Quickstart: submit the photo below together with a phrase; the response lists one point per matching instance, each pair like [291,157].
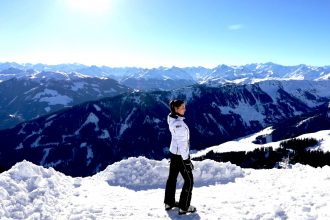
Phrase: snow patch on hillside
[91,119]
[126,124]
[246,143]
[52,97]
[248,112]
[105,134]
[77,86]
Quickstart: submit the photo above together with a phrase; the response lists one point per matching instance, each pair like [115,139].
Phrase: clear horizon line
[161,66]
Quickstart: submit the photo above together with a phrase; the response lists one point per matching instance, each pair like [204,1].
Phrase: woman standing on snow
[179,160]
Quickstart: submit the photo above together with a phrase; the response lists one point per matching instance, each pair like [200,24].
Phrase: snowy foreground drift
[134,189]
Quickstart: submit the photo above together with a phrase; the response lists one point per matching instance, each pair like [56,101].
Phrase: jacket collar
[176,116]
[181,117]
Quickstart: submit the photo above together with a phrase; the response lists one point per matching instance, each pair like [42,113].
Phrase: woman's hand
[188,164]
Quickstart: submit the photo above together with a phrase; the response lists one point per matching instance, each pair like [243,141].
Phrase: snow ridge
[222,191]
[141,173]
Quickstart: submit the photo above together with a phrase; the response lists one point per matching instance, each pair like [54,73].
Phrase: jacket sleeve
[180,135]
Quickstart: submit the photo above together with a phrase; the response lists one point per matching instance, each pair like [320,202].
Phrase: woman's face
[181,110]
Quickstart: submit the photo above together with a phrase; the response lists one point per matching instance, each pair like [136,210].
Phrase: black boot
[191,209]
[170,206]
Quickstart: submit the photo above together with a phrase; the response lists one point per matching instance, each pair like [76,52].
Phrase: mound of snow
[141,173]
[27,190]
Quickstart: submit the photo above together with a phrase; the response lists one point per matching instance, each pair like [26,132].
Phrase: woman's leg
[171,181]
[186,192]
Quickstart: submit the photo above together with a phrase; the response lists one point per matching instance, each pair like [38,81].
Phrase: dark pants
[176,166]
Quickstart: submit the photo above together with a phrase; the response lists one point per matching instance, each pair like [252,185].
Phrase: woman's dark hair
[175,104]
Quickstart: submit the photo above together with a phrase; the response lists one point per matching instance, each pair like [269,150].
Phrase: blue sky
[152,33]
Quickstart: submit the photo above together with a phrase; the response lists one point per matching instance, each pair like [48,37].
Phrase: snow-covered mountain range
[86,138]
[267,71]
[158,79]
[32,94]
[133,76]
[85,118]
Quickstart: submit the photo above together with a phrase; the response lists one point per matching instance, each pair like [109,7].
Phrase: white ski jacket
[180,136]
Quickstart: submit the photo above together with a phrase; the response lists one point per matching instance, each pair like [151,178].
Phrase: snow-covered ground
[134,189]
[246,143]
